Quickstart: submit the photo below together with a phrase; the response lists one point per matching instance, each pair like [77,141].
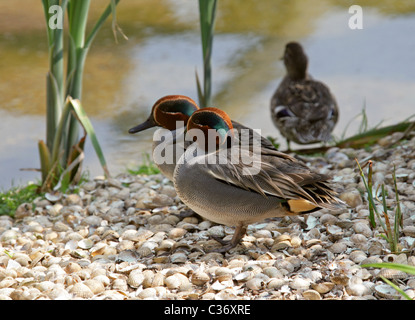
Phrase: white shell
[200,278]
[177,281]
[135,278]
[81,290]
[386,291]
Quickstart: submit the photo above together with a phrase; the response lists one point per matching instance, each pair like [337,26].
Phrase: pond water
[372,67]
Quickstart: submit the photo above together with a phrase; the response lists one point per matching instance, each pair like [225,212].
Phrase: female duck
[302,109]
[226,193]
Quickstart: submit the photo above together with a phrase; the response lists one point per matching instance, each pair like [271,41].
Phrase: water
[372,67]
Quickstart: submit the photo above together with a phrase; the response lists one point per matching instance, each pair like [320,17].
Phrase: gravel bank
[130,237]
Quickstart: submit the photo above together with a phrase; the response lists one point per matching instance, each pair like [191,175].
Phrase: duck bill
[149,123]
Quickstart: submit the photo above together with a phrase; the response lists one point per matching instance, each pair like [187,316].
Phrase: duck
[171,112]
[303,109]
[230,193]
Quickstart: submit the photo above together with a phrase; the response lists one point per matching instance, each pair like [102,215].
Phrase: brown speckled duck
[303,109]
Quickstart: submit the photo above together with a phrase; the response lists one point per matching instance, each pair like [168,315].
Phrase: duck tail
[320,196]
[302,206]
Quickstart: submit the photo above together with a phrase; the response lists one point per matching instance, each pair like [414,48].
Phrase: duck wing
[308,99]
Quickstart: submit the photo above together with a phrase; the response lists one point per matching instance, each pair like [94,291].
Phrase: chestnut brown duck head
[303,109]
[168,112]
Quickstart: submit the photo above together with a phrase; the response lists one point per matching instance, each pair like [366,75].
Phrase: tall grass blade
[398,213]
[199,89]
[53,107]
[87,125]
[370,186]
[397,266]
[45,159]
[370,197]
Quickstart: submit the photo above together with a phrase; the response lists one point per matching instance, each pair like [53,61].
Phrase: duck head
[167,111]
[207,119]
[295,60]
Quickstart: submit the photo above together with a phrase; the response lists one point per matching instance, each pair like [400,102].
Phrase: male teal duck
[226,193]
[303,109]
[168,112]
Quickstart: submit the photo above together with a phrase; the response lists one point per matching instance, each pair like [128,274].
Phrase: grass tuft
[146,168]
[391,233]
[11,199]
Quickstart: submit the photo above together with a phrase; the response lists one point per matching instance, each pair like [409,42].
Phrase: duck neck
[297,73]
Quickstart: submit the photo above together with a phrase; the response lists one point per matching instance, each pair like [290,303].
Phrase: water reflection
[373,66]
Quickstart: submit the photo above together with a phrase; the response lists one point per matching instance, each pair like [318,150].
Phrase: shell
[357,256]
[392,274]
[95,285]
[386,291]
[135,278]
[85,244]
[299,283]
[73,267]
[199,278]
[120,284]
[216,231]
[362,228]
[281,245]
[53,197]
[409,231]
[255,284]
[176,233]
[338,247]
[356,287]
[244,276]
[275,284]
[81,290]
[103,279]
[178,257]
[166,245]
[311,295]
[323,287]
[8,282]
[177,281]
[226,294]
[223,274]
[148,293]
[218,286]
[158,279]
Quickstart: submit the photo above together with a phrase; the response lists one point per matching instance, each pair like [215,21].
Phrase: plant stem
[207,10]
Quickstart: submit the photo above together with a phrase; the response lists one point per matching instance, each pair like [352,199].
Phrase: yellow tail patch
[301,205]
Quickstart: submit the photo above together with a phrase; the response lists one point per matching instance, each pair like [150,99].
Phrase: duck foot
[227,245]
